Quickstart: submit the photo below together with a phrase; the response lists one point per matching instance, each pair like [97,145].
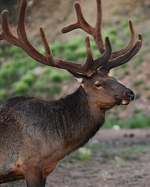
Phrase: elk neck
[82,119]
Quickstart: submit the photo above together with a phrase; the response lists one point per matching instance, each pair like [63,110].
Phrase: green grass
[137,95]
[148,97]
[124,23]
[127,73]
[135,149]
[139,121]
[29,78]
[3,94]
[136,21]
[1,53]
[20,88]
[120,44]
[115,11]
[84,154]
[112,31]
[138,82]
[105,152]
[112,39]
[146,87]
[80,52]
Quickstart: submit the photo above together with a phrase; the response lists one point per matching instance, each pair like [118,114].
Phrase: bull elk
[34,133]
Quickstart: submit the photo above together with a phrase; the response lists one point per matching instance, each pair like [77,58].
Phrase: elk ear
[77,76]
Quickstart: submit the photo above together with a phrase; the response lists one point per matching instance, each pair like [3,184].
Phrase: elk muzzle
[129,97]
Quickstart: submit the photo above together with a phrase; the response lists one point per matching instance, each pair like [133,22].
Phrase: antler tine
[47,48]
[82,23]
[24,42]
[5,33]
[98,34]
[89,58]
[105,57]
[115,54]
[125,57]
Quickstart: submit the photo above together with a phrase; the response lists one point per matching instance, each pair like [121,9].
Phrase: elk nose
[130,95]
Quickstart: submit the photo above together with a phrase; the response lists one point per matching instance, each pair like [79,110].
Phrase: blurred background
[125,137]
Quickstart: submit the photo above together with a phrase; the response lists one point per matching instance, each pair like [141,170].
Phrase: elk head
[104,91]
[93,75]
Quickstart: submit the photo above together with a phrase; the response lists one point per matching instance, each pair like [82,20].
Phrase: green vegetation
[139,121]
[112,31]
[107,175]
[20,88]
[138,82]
[84,154]
[106,152]
[138,95]
[3,94]
[148,97]
[17,76]
[135,20]
[115,11]
[120,162]
[146,87]
[126,72]
[119,44]
[124,23]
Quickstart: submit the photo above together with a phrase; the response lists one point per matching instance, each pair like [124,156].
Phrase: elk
[34,133]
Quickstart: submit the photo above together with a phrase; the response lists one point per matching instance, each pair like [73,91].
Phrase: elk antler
[118,57]
[124,58]
[88,68]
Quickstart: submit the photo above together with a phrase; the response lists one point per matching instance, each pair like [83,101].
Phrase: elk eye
[98,85]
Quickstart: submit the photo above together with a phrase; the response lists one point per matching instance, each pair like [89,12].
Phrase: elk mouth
[125,102]
[122,101]
[117,103]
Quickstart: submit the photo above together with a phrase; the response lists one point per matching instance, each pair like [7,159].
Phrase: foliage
[3,94]
[112,31]
[120,161]
[138,95]
[20,88]
[124,23]
[107,175]
[139,121]
[138,82]
[85,154]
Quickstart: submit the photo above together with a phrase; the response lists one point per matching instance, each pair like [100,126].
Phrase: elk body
[34,133]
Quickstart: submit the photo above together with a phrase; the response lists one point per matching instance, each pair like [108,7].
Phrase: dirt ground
[103,169]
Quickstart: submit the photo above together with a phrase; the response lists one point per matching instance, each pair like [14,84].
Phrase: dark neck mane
[82,119]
